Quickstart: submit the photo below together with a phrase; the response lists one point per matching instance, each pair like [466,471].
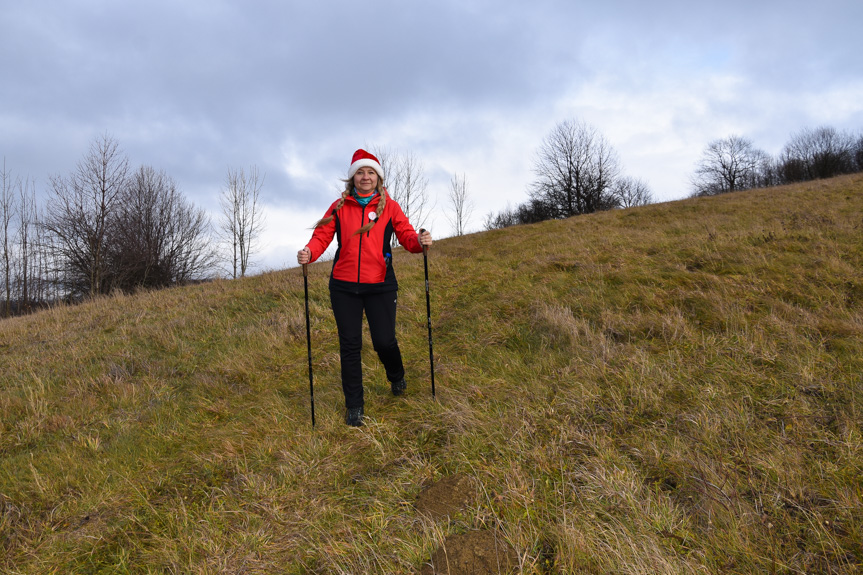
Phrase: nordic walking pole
[428,310]
[309,341]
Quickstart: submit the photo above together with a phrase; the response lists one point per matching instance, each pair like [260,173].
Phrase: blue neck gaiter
[364,200]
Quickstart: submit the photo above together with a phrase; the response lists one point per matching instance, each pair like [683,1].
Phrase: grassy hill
[675,388]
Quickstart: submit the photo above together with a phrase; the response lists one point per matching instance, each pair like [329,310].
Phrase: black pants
[380,311]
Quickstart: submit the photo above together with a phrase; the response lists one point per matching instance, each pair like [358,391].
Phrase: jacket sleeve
[322,236]
[405,232]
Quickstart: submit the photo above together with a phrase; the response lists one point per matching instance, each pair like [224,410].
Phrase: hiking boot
[354,416]
[398,387]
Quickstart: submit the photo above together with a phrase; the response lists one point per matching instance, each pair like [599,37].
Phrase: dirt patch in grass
[445,497]
[472,553]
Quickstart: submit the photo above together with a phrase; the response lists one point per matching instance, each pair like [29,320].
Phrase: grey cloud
[195,87]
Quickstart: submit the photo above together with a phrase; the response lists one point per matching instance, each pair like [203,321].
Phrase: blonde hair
[349,188]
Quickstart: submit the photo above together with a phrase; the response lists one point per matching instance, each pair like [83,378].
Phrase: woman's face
[365,180]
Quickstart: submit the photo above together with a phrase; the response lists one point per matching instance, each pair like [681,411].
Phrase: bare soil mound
[472,553]
[445,497]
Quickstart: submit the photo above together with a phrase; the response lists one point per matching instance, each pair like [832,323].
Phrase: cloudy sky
[468,86]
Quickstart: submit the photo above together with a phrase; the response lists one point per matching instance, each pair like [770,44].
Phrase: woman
[363,221]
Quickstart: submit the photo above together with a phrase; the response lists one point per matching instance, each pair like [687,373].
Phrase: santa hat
[363,159]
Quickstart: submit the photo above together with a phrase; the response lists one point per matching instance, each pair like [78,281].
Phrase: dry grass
[669,389]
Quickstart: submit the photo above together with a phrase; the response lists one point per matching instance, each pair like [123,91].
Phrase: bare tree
[78,215]
[157,239]
[28,246]
[858,153]
[530,212]
[575,168]
[406,182]
[242,220]
[503,219]
[40,268]
[769,172]
[630,192]
[7,215]
[606,164]
[727,165]
[462,206]
[819,153]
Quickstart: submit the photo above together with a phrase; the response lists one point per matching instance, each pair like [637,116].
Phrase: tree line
[734,163]
[577,172]
[108,227]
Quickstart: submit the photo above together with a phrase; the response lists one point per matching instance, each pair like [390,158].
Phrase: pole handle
[425,248]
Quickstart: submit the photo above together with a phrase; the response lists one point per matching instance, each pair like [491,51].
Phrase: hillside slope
[668,389]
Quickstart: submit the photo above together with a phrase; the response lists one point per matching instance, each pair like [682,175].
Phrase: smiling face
[365,180]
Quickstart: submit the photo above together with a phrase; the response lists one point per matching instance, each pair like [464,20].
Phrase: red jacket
[364,262]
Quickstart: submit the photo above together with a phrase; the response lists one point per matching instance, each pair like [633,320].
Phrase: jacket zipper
[360,254]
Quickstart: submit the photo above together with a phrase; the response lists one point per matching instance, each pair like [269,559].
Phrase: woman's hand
[304,256]
[425,238]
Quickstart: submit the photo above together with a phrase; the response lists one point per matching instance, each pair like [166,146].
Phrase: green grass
[675,388]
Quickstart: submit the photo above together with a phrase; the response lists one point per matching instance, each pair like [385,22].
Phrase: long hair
[349,188]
